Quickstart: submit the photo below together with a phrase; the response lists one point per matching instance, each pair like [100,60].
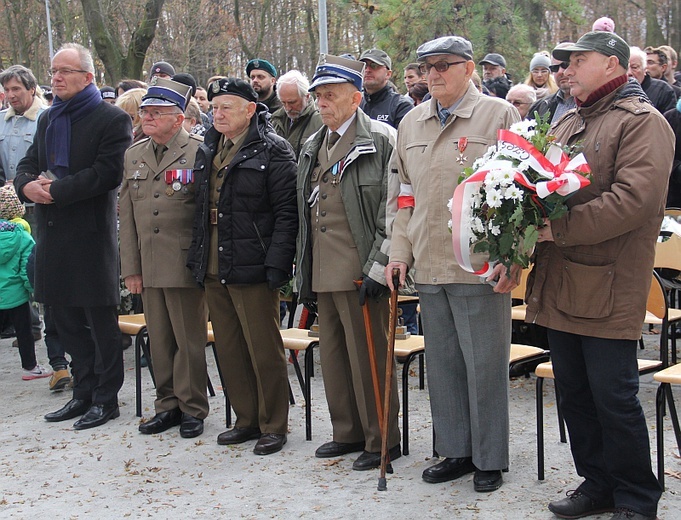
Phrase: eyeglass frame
[65,72]
[425,67]
[155,114]
[556,67]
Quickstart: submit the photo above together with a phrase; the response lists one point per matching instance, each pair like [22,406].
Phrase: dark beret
[233,87]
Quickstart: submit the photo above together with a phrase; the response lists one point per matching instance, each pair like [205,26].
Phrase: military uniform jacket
[157,206]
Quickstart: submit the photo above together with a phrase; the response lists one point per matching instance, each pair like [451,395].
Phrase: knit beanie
[540,60]
[604,24]
[10,205]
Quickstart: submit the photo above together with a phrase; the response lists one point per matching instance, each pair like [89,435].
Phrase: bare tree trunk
[118,61]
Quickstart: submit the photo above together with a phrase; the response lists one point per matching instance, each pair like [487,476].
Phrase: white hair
[297,78]
[528,93]
[86,62]
[637,51]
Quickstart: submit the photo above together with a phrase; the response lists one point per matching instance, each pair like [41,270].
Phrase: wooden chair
[296,340]
[667,377]
[668,257]
[656,308]
[406,350]
[135,325]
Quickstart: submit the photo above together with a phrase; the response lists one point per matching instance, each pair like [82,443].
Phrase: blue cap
[334,70]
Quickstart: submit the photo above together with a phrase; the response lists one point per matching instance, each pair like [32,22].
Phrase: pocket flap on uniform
[586,290]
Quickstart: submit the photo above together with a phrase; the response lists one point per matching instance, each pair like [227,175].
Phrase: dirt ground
[51,471]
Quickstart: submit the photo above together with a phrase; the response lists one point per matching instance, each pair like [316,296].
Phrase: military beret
[232,87]
[261,65]
[446,45]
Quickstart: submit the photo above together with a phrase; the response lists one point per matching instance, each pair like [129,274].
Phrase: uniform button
[155,230]
[156,195]
[50,223]
[220,215]
[322,229]
[434,279]
[156,179]
[223,281]
[325,178]
[323,213]
[220,248]
[219,175]
[155,212]
[324,196]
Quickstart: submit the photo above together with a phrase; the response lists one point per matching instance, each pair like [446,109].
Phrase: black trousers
[20,317]
[92,338]
[597,383]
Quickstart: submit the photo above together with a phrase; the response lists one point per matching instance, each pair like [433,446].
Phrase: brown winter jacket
[594,279]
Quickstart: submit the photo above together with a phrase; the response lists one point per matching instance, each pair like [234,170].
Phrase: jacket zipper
[262,242]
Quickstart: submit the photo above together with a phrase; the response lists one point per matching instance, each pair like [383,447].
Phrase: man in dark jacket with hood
[242,252]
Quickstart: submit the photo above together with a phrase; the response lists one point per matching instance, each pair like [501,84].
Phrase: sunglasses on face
[555,68]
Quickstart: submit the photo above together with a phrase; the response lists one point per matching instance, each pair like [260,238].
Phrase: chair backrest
[519,292]
[657,300]
[668,253]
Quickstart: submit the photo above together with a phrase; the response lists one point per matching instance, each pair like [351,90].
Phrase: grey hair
[86,62]
[528,93]
[297,78]
[21,74]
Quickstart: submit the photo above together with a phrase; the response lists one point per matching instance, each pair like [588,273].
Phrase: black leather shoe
[485,481]
[161,422]
[448,469]
[623,513]
[269,443]
[74,408]
[191,426]
[370,460]
[577,505]
[336,449]
[238,435]
[97,415]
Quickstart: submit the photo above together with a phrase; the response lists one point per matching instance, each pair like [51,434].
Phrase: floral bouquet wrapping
[505,197]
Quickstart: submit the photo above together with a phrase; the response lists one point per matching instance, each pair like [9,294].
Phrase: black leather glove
[276,278]
[311,306]
[371,289]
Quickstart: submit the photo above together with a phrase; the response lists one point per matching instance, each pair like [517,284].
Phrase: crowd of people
[210,195]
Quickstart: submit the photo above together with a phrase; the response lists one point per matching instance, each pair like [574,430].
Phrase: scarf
[58,135]
[603,91]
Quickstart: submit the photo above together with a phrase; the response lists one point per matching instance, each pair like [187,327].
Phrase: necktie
[333,139]
[225,149]
[443,114]
[160,150]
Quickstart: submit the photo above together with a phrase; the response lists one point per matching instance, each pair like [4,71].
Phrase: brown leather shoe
[337,449]
[238,435]
[269,443]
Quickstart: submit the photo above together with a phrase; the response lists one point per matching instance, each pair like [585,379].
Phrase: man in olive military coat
[156,214]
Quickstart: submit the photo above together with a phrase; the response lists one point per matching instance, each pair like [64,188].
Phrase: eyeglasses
[373,65]
[652,62]
[440,66]
[154,114]
[555,68]
[64,72]
[519,103]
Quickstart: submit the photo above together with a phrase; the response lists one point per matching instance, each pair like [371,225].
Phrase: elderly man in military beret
[466,321]
[242,253]
[344,220]
[263,76]
[156,216]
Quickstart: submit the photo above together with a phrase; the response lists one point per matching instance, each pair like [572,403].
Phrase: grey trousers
[467,332]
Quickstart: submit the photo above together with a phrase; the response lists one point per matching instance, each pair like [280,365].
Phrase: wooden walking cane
[372,358]
[389,362]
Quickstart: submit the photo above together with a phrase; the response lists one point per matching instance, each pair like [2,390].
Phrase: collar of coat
[464,109]
[363,143]
[32,113]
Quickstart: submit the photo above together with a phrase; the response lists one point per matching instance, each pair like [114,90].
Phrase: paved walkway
[113,472]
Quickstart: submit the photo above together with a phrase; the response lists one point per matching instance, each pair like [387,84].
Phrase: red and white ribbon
[564,176]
